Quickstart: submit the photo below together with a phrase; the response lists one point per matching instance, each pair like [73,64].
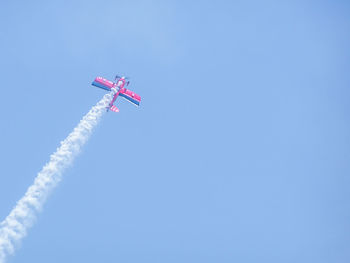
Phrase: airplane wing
[103,83]
[131,97]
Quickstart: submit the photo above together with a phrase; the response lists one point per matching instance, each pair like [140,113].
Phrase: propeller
[117,77]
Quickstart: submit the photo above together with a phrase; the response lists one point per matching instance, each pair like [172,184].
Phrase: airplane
[119,86]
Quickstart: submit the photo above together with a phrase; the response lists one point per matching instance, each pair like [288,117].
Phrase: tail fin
[114,108]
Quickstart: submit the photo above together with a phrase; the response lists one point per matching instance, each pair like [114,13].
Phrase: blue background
[239,151]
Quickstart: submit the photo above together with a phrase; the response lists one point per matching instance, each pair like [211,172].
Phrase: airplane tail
[114,108]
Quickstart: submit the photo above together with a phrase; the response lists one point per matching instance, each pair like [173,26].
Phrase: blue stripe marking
[130,99]
[99,85]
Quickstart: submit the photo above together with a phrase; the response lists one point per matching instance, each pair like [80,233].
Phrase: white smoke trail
[16,224]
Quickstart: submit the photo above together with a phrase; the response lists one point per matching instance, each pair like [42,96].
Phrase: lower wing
[103,83]
[131,97]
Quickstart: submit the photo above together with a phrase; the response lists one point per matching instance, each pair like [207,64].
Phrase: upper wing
[131,96]
[103,83]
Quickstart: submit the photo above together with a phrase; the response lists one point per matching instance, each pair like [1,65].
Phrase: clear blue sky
[238,153]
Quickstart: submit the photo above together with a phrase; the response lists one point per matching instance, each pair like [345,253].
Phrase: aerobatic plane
[119,85]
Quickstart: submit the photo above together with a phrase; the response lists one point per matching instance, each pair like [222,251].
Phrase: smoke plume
[22,216]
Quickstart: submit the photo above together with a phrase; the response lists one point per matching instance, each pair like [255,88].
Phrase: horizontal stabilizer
[114,108]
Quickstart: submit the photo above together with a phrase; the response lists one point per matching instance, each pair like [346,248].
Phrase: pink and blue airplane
[119,85]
